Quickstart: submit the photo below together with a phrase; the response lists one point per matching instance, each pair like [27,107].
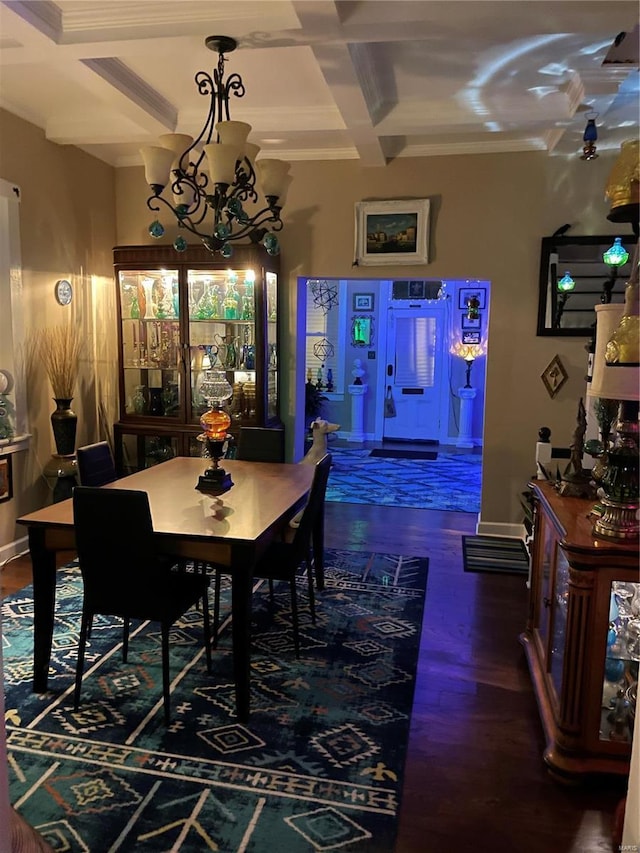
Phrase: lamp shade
[157,164]
[272,174]
[222,159]
[623,185]
[176,142]
[611,383]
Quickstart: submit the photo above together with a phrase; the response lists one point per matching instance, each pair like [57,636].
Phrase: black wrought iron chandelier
[212,177]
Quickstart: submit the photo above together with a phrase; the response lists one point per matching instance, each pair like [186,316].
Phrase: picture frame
[6,481]
[361,331]
[363,301]
[392,232]
[471,337]
[554,376]
[466,293]
[470,323]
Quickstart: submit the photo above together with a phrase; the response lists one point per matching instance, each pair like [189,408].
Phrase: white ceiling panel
[367,80]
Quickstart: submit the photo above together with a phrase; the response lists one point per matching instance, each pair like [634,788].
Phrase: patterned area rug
[317,768]
[450,482]
[495,554]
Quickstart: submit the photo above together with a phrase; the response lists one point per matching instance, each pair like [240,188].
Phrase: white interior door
[414,372]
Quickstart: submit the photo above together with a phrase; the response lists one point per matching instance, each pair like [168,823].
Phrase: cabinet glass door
[222,336]
[143,451]
[272,345]
[620,683]
[150,334]
[546,555]
[559,628]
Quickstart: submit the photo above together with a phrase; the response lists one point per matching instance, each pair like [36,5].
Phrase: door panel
[413,371]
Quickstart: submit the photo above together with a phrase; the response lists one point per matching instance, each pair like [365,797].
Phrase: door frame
[431,307]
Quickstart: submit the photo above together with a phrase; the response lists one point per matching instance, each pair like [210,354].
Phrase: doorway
[414,372]
[410,349]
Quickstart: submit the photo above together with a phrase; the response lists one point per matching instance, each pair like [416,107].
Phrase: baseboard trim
[494,528]
[13,549]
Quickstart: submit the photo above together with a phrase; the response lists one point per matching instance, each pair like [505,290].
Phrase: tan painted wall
[67,218]
[489,213]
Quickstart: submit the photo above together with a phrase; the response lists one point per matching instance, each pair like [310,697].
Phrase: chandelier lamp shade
[213,185]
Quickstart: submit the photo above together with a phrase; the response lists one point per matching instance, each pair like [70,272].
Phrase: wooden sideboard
[579,638]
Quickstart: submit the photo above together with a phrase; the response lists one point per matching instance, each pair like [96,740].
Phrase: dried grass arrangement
[58,350]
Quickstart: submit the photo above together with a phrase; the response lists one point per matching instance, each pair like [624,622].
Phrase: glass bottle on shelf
[230,303]
[147,285]
[134,311]
[138,400]
[208,306]
[247,300]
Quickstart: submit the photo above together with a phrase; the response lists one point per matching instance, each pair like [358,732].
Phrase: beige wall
[67,223]
[489,213]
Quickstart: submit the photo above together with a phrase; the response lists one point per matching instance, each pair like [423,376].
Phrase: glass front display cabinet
[582,638]
[183,317]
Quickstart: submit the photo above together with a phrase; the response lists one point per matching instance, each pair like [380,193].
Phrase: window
[11,320]
[326,334]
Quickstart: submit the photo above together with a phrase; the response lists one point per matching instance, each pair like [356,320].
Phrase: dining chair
[95,464]
[283,558]
[124,576]
[260,444]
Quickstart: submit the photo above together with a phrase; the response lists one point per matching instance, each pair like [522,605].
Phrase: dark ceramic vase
[64,423]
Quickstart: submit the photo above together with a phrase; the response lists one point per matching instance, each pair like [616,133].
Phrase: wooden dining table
[232,530]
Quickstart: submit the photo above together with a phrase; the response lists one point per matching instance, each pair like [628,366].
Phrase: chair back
[260,444]
[116,550]
[315,502]
[95,464]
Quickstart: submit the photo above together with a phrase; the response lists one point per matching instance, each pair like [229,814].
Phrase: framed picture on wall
[471,337]
[392,232]
[363,301]
[470,323]
[361,331]
[466,293]
[6,485]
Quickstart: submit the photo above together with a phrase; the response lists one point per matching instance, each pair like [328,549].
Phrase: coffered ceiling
[368,80]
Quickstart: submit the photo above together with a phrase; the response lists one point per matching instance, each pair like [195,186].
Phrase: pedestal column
[467,396]
[357,412]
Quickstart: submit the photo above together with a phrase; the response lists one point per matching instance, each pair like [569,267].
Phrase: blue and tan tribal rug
[450,482]
[318,767]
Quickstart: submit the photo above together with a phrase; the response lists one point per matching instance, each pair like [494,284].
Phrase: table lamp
[616,376]
[215,422]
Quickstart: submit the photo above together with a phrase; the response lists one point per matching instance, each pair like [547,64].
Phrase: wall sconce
[589,138]
[615,256]
[564,287]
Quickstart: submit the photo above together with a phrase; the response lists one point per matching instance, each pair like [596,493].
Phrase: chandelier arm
[261,218]
[184,220]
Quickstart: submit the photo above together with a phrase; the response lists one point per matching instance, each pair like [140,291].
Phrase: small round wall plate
[64,291]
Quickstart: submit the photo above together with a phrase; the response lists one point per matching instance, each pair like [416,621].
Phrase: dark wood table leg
[241,590]
[44,599]
[318,549]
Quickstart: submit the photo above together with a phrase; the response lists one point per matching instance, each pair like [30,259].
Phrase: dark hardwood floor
[475,780]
